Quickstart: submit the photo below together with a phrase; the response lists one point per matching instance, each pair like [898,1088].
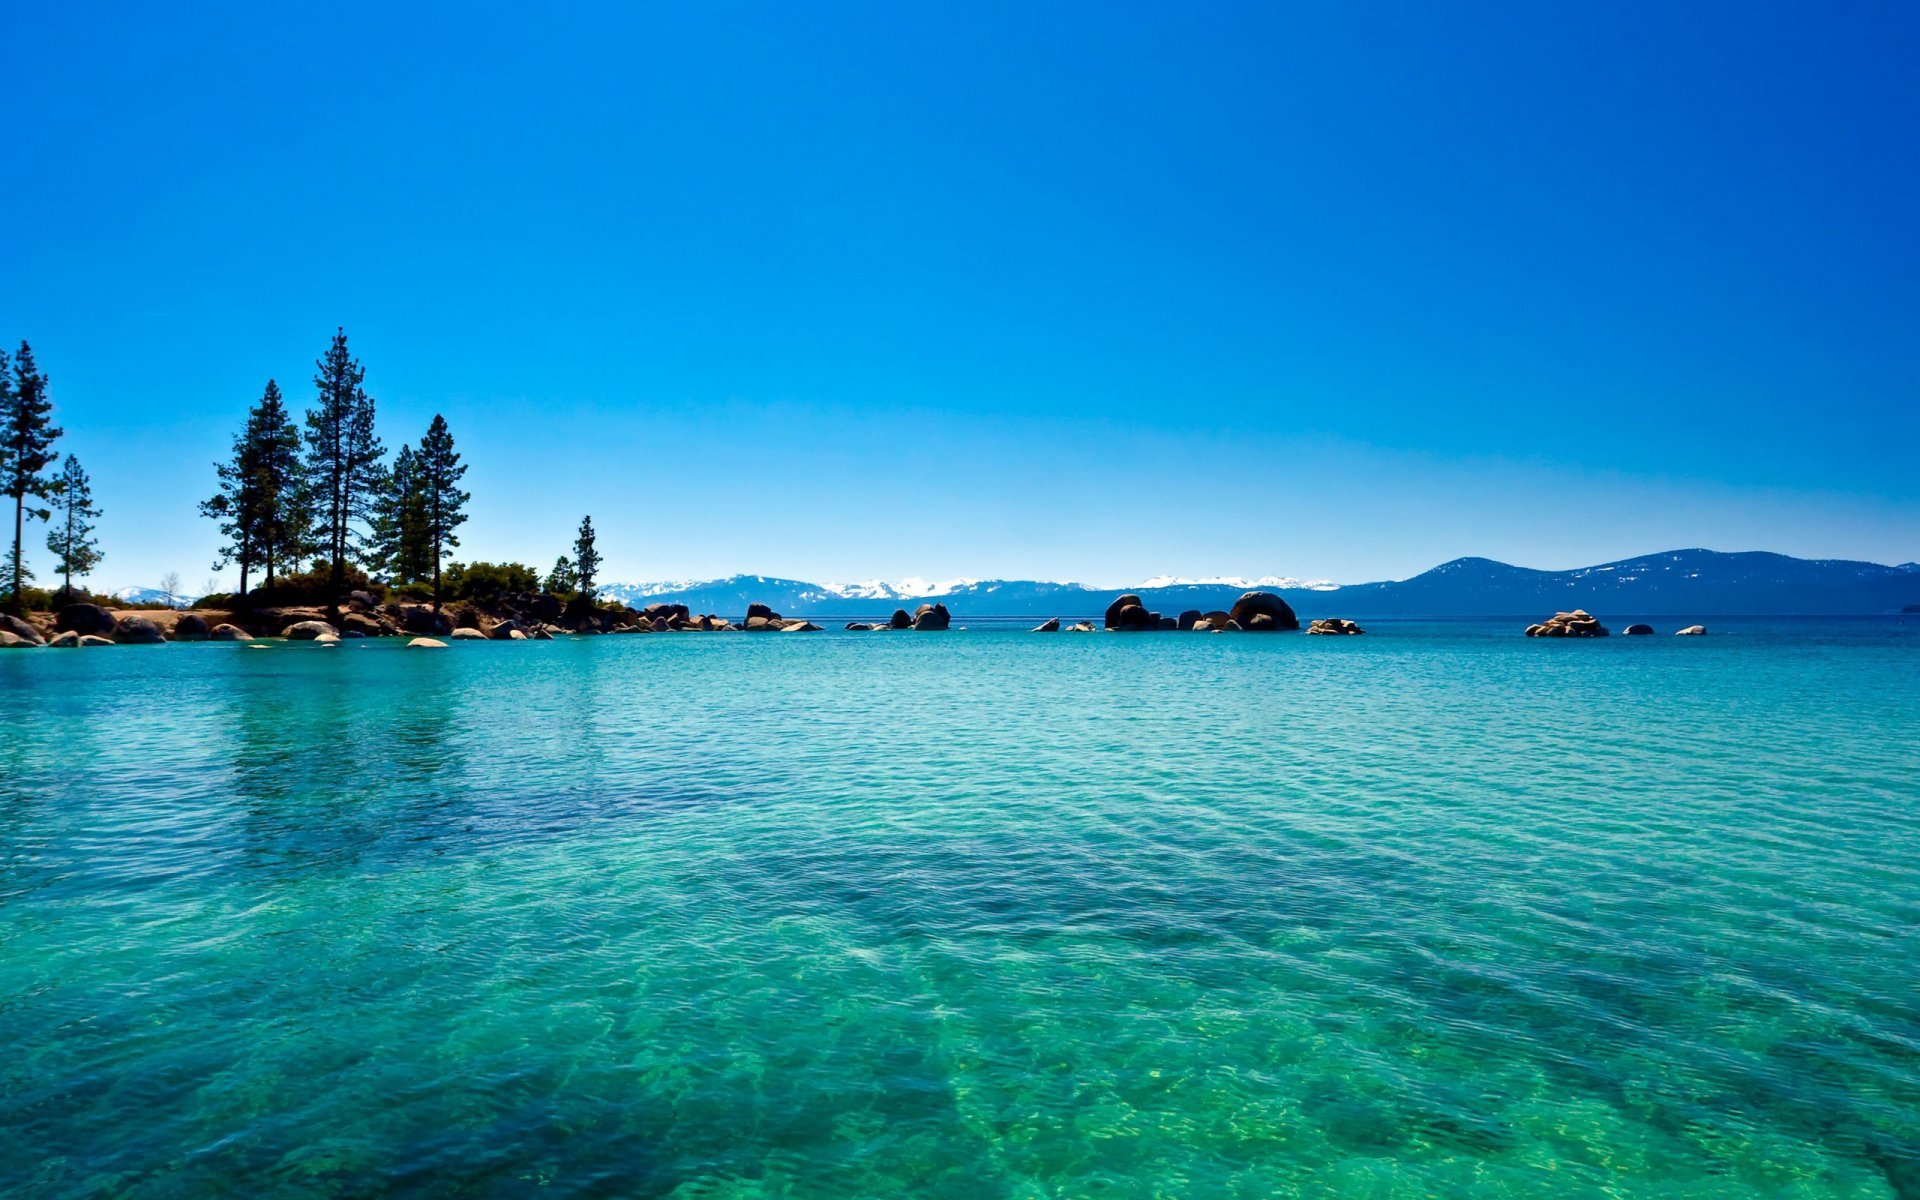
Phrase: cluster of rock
[1254,612]
[928,617]
[1334,626]
[1578,623]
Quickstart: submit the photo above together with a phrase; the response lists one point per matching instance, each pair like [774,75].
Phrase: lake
[1439,911]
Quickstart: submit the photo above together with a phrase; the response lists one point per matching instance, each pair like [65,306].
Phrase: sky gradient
[1090,292]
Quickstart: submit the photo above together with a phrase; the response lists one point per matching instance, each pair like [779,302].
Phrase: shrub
[488,581]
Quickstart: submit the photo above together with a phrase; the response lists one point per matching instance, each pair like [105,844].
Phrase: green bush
[488,581]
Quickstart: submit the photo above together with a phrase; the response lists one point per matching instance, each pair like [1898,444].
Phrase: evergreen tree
[561,579]
[285,527]
[343,457]
[399,543]
[27,434]
[446,504]
[262,503]
[71,538]
[586,561]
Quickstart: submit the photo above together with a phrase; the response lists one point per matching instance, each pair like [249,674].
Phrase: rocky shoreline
[541,616]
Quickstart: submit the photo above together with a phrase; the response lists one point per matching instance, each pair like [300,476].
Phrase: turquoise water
[1439,911]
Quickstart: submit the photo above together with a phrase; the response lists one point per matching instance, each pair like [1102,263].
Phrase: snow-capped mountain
[153,597]
[1268,582]
[1678,582]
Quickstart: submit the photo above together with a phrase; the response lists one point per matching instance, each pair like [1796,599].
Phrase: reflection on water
[1438,911]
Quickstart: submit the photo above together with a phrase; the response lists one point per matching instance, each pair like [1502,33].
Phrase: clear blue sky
[1070,291]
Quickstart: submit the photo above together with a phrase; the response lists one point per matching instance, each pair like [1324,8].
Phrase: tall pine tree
[446,504]
[399,545]
[343,458]
[27,434]
[284,529]
[586,562]
[262,504]
[71,538]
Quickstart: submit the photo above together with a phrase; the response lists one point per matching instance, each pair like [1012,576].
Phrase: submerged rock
[426,643]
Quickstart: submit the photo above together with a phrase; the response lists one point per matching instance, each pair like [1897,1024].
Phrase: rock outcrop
[191,628]
[24,630]
[418,618]
[1129,614]
[9,640]
[1263,612]
[64,641]
[84,619]
[1691,631]
[1334,626]
[1578,623]
[1188,619]
[900,620]
[933,617]
[138,631]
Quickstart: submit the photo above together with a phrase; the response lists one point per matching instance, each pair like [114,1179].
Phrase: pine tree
[27,434]
[399,544]
[586,562]
[285,527]
[446,504]
[262,504]
[71,538]
[343,457]
[561,580]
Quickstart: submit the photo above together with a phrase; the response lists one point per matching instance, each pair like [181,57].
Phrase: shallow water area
[1439,910]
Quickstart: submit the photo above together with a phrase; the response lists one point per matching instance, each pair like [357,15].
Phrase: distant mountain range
[1676,583]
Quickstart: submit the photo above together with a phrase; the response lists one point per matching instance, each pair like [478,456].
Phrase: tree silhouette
[71,538]
[343,457]
[27,434]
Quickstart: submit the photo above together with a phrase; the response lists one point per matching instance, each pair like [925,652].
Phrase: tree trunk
[19,518]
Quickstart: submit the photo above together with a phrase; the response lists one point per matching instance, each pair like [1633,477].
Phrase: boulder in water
[1263,612]
[1578,623]
[933,617]
[21,629]
[1691,631]
[1050,625]
[307,631]
[1640,630]
[426,643]
[1334,626]
[229,633]
[9,640]
[190,628]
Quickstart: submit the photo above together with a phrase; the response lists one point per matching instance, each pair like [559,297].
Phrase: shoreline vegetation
[334,539]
